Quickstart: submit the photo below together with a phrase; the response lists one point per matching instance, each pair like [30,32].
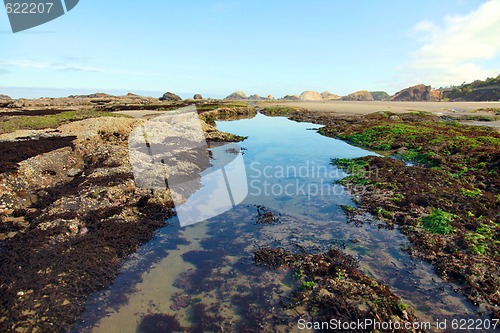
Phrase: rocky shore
[437,181]
[70,211]
[69,207]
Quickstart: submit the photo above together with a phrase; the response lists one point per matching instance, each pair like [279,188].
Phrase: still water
[204,274]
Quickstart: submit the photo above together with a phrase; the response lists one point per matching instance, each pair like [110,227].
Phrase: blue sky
[264,47]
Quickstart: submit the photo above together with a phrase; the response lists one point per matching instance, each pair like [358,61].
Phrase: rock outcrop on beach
[418,93]
[328,96]
[5,101]
[380,96]
[291,98]
[362,95]
[310,96]
[237,95]
[197,97]
[85,215]
[255,97]
[171,97]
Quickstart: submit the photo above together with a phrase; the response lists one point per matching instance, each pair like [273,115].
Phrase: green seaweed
[438,222]
[307,285]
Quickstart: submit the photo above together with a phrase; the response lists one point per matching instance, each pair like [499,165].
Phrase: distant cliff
[487,90]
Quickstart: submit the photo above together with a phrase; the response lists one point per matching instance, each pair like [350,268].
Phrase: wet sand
[349,107]
[452,109]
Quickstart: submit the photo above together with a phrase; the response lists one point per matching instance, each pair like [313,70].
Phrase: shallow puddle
[204,274]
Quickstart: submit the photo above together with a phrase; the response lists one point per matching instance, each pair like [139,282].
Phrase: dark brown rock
[418,93]
[168,96]
[197,97]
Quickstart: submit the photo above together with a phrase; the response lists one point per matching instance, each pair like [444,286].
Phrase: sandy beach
[350,107]
[452,109]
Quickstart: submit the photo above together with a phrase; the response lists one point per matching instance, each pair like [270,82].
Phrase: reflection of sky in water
[286,163]
[210,200]
[283,141]
[222,187]
[286,166]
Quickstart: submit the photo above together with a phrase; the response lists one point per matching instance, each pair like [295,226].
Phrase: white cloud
[456,51]
[424,26]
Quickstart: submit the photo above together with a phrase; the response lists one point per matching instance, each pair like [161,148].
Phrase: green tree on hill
[479,90]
